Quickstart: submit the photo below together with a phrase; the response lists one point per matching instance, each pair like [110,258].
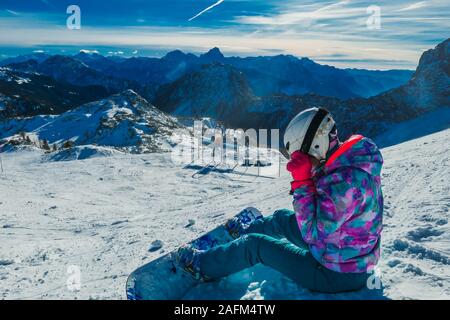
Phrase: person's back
[340,215]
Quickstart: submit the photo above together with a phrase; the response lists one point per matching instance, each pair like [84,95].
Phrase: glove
[300,168]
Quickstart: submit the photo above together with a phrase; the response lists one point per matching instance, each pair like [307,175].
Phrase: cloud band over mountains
[317,29]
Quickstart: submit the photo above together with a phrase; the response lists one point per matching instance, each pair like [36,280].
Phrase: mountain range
[69,70]
[223,92]
[133,104]
[266,75]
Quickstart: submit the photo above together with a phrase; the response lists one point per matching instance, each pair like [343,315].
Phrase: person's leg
[294,262]
[281,255]
[281,224]
[335,282]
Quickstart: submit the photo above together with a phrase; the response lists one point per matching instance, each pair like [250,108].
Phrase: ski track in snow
[102,214]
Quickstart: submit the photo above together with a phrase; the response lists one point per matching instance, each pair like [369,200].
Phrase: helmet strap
[312,130]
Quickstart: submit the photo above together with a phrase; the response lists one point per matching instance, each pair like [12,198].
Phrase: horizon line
[121,54]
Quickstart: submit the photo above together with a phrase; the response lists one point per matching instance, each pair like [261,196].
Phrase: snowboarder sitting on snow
[332,240]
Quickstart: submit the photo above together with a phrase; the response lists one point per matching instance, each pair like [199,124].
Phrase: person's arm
[303,189]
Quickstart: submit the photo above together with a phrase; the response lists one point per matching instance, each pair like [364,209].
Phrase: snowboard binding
[238,225]
[188,259]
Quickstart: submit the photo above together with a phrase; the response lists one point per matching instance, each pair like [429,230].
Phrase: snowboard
[163,279]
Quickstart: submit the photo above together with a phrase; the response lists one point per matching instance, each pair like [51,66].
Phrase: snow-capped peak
[125,121]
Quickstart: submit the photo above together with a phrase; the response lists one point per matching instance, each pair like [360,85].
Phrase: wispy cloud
[116,53]
[48,4]
[15,13]
[296,15]
[88,51]
[415,6]
[206,10]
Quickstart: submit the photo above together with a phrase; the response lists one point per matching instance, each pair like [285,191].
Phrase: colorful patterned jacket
[340,215]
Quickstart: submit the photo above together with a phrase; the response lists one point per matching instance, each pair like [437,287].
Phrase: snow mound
[80,153]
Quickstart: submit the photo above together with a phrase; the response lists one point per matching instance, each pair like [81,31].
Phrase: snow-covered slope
[96,219]
[424,125]
[416,251]
[123,121]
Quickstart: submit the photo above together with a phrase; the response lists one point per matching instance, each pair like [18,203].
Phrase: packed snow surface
[98,219]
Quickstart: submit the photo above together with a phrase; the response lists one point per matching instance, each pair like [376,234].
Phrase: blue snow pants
[276,242]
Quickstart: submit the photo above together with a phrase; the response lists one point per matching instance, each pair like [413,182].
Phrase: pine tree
[45,145]
[68,144]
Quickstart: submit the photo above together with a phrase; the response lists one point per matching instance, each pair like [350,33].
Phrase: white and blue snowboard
[163,279]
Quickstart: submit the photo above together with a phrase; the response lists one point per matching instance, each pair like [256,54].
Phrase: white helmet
[309,132]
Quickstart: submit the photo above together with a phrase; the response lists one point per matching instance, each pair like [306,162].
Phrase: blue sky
[331,32]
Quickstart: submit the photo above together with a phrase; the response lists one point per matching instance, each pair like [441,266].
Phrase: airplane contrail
[207,9]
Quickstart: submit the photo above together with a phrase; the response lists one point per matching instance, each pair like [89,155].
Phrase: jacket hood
[357,152]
